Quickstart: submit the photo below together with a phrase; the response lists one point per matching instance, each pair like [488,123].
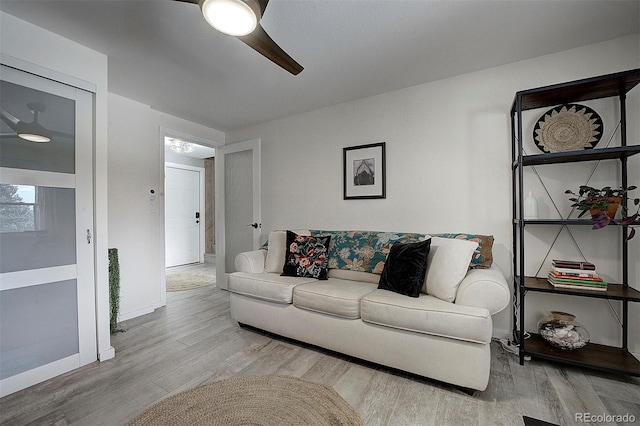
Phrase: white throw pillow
[447,265]
[277,250]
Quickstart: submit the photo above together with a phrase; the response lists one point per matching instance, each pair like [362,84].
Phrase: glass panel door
[238,210]
[47,296]
[238,198]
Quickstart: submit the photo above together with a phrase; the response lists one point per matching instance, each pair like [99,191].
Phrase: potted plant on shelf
[603,204]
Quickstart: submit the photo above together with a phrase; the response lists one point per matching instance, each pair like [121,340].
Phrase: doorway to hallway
[189,202]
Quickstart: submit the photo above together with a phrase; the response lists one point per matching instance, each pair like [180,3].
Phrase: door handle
[88,236]
[255,225]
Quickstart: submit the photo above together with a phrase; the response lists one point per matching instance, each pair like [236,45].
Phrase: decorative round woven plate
[569,127]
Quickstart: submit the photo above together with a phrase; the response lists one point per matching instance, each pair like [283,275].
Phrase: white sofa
[427,336]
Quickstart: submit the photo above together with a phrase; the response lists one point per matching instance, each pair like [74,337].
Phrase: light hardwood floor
[194,340]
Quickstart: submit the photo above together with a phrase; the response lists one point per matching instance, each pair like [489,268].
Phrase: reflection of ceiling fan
[33,131]
[240,18]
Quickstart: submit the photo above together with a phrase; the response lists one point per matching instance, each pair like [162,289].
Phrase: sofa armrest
[484,288]
[251,261]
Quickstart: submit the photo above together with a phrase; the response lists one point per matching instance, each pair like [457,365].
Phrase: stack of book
[575,274]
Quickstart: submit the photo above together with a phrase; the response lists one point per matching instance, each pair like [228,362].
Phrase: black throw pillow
[405,268]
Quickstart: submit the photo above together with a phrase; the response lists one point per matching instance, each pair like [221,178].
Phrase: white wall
[451,134]
[448,163]
[136,224]
[29,43]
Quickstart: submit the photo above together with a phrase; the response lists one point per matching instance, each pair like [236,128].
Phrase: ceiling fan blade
[260,41]
[263,6]
[262,3]
[12,122]
[9,119]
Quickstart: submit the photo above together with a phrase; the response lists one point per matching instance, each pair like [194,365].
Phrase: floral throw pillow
[307,256]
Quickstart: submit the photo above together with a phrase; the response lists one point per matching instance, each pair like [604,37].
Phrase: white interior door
[183,214]
[238,214]
[47,294]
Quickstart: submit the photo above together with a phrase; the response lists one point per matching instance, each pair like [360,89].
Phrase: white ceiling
[164,54]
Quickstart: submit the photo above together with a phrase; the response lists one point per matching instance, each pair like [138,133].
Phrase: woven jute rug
[189,280]
[253,400]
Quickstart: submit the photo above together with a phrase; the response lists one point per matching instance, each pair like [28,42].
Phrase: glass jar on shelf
[562,331]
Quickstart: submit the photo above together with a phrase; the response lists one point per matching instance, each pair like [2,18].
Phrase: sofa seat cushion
[266,285]
[334,297]
[427,314]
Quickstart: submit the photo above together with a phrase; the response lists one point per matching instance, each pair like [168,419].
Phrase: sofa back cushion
[344,274]
[277,250]
[447,265]
[364,251]
[483,256]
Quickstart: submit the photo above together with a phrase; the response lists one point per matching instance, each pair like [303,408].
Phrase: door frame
[250,145]
[201,205]
[171,133]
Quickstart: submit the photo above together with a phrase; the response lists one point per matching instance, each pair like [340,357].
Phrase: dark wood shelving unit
[614,291]
[578,222]
[574,157]
[604,86]
[601,357]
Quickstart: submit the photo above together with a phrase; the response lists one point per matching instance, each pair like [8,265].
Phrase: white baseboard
[134,314]
[139,312]
[108,354]
[159,304]
[501,334]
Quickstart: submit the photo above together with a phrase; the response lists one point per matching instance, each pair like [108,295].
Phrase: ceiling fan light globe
[34,138]
[232,17]
[32,132]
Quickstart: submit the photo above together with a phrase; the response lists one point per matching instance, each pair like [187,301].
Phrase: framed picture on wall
[364,171]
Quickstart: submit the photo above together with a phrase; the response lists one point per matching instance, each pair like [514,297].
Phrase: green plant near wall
[114,289]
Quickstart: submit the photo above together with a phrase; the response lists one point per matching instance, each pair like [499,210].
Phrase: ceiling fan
[33,131]
[241,19]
